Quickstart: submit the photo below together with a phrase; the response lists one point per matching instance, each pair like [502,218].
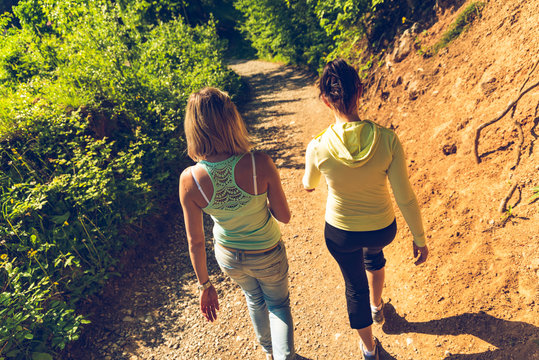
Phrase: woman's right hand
[209,303]
[192,215]
[423,253]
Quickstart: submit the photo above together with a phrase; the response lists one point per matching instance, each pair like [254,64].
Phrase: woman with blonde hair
[357,157]
[242,192]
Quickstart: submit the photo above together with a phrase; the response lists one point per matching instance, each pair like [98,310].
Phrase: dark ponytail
[340,85]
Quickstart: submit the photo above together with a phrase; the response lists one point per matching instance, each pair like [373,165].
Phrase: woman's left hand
[209,303]
[423,253]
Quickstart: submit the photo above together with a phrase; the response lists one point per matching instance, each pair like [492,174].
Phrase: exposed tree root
[499,117]
[528,76]
[511,107]
[508,213]
[520,144]
[533,131]
[378,85]
[503,204]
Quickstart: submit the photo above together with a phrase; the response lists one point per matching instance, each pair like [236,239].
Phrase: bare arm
[407,201]
[312,174]
[192,214]
[277,199]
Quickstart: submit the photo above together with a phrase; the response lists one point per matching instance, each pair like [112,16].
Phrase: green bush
[312,32]
[284,30]
[63,205]
[91,144]
[461,23]
[23,57]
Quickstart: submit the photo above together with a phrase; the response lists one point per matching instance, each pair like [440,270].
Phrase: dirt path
[444,309]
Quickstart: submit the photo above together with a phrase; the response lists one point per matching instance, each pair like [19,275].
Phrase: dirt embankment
[477,296]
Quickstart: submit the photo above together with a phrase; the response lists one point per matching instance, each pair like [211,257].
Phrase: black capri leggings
[356,251]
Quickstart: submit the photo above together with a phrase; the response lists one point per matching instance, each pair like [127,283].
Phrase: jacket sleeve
[404,194]
[312,173]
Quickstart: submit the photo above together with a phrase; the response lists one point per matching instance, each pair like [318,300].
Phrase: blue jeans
[264,281]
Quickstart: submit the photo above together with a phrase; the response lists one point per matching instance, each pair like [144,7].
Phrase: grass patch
[461,24]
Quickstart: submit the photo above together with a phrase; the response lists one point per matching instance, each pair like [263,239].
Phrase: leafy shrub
[312,32]
[461,23]
[62,208]
[91,145]
[21,59]
[284,30]
[51,16]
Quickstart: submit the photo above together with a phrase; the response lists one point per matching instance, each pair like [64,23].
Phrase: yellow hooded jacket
[356,158]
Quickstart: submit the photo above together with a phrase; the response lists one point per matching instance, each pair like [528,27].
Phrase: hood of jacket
[352,143]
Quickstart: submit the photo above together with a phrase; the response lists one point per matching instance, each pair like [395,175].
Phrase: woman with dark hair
[357,157]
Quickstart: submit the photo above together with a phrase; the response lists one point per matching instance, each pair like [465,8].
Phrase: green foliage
[359,27]
[312,32]
[461,23]
[507,213]
[91,110]
[194,12]
[535,195]
[343,21]
[175,49]
[338,16]
[285,30]
[20,60]
[50,16]
[31,14]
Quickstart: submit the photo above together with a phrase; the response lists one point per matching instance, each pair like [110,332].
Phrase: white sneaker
[378,314]
[376,356]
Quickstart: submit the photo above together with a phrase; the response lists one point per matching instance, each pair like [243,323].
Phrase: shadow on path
[299,357]
[146,306]
[513,339]
[269,110]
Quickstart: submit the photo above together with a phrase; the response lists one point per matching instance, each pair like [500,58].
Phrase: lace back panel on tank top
[227,194]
